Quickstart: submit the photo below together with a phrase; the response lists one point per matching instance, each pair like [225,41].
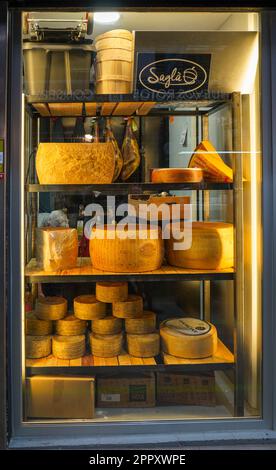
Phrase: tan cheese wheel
[38,346]
[68,347]
[56,248]
[107,326]
[51,308]
[145,324]
[207,158]
[176,175]
[87,307]
[143,345]
[36,327]
[188,338]
[70,325]
[137,253]
[212,246]
[132,307]
[106,345]
[111,291]
[75,163]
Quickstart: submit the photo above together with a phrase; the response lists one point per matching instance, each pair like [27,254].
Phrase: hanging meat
[109,137]
[130,151]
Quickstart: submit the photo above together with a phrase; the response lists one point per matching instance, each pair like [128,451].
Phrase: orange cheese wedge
[206,157]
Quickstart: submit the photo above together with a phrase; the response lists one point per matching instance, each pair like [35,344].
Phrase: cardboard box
[186,389]
[126,391]
[60,397]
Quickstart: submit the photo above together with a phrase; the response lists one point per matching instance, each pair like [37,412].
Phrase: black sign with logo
[173,74]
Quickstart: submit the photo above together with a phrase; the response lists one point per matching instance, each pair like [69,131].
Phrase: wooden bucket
[113,86]
[116,33]
[114,69]
[114,54]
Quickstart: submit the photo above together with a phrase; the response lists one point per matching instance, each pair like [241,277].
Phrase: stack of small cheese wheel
[106,339]
[51,314]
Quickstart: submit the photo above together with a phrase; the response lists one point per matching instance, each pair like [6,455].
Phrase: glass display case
[183,335]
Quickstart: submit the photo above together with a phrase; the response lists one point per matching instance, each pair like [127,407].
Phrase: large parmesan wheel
[51,308]
[143,345]
[211,246]
[68,347]
[56,248]
[130,250]
[188,338]
[75,163]
[144,324]
[132,307]
[38,346]
[106,345]
[70,325]
[36,327]
[107,326]
[87,307]
[176,175]
[110,292]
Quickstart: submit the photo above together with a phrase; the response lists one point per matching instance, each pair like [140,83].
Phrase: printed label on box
[137,393]
[110,397]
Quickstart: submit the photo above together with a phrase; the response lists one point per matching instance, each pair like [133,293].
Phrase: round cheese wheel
[110,292]
[68,347]
[75,163]
[143,345]
[209,245]
[141,251]
[106,345]
[38,346]
[130,308]
[189,338]
[107,326]
[70,325]
[87,307]
[51,308]
[36,327]
[144,324]
[176,175]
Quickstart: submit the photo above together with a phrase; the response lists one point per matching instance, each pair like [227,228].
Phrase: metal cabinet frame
[12,431]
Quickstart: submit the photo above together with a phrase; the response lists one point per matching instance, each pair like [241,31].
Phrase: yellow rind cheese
[38,346]
[110,292]
[56,248]
[207,158]
[34,326]
[87,307]
[106,345]
[70,325]
[144,324]
[132,307]
[211,246]
[51,308]
[107,326]
[68,347]
[147,345]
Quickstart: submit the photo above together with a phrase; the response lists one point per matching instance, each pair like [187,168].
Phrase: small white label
[110,397]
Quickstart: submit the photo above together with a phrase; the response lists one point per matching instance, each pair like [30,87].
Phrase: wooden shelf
[86,272]
[119,108]
[126,188]
[222,360]
[222,356]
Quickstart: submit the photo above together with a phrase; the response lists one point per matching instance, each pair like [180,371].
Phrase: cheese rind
[141,325]
[107,326]
[110,292]
[75,163]
[51,308]
[87,307]
[68,347]
[137,252]
[147,345]
[34,326]
[70,325]
[176,175]
[106,345]
[38,346]
[132,307]
[211,246]
[176,342]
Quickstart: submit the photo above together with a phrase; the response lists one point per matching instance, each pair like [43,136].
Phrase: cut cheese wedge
[207,158]
[189,338]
